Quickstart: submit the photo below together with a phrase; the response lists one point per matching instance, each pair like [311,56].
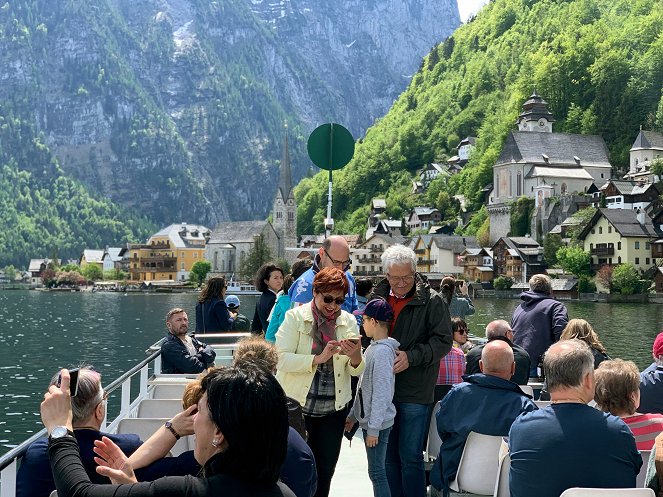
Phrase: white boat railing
[223,343]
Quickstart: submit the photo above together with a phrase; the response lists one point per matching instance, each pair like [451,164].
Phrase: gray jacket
[373,406]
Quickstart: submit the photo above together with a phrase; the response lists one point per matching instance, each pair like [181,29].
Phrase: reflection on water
[41,332]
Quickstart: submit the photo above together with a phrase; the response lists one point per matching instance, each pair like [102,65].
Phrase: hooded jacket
[373,406]
[423,329]
[537,323]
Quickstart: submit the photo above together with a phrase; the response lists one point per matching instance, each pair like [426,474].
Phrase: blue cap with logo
[232,301]
[380,310]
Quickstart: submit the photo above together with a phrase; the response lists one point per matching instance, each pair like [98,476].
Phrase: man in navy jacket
[181,353]
[486,402]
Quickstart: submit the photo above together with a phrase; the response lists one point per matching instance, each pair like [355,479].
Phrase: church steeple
[535,115]
[285,175]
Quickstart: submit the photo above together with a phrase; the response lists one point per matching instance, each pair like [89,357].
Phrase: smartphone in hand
[73,381]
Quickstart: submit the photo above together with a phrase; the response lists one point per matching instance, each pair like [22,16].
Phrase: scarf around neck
[323,330]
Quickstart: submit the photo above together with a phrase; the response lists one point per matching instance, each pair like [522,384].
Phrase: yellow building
[619,236]
[168,254]
[422,250]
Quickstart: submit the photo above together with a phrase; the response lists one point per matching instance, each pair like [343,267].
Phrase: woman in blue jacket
[212,313]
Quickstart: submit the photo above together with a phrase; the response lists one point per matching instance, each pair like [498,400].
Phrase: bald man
[500,330]
[335,252]
[486,402]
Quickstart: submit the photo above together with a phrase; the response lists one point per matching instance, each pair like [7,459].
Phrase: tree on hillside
[551,243]
[583,216]
[199,272]
[10,273]
[521,216]
[257,256]
[574,260]
[657,168]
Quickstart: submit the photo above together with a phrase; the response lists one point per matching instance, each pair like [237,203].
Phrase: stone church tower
[535,115]
[284,215]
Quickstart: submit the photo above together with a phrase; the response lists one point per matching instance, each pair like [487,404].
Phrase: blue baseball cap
[380,310]
[232,301]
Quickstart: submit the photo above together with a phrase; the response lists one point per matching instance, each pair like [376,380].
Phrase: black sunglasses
[462,331]
[329,299]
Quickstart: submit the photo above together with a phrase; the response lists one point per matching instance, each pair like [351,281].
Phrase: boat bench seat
[159,408]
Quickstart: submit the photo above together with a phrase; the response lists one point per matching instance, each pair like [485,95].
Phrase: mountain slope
[599,64]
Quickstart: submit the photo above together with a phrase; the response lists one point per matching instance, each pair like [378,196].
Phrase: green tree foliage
[627,280]
[115,275]
[199,272]
[551,243]
[521,216]
[657,168]
[586,285]
[582,218]
[257,256]
[502,283]
[92,272]
[598,63]
[10,273]
[574,260]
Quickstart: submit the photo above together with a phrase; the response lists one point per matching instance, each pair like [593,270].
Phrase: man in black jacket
[181,353]
[422,326]
[501,330]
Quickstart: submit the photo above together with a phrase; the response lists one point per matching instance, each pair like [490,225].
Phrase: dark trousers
[325,434]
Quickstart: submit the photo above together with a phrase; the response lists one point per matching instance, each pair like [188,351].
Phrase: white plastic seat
[434,441]
[527,389]
[502,482]
[640,480]
[599,492]
[159,408]
[168,391]
[477,470]
[145,428]
[54,493]
[542,403]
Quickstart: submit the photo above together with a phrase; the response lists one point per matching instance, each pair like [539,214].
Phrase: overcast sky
[469,7]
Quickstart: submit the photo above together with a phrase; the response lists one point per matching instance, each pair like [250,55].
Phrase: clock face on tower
[542,123]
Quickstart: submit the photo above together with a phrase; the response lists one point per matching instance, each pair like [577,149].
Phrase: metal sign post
[330,146]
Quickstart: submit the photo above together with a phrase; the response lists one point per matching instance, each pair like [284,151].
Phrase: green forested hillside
[43,212]
[598,63]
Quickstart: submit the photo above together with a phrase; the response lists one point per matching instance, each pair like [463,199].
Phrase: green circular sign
[330,146]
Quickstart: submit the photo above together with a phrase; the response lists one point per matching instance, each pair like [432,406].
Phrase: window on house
[619,245]
[637,260]
[647,246]
[609,229]
[591,246]
[600,230]
[619,259]
[637,245]
[182,266]
[647,261]
[593,232]
[291,216]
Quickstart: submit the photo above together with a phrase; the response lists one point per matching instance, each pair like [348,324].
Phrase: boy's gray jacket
[373,406]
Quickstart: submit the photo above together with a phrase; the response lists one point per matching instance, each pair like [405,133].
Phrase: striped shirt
[645,427]
[452,367]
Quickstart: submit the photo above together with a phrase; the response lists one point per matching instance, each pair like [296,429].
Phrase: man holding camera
[181,353]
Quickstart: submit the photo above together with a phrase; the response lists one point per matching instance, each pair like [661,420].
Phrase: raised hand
[56,407]
[112,462]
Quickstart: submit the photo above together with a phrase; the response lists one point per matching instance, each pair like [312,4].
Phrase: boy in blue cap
[373,407]
[241,322]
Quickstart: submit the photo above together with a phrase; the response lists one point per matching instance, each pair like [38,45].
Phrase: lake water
[41,332]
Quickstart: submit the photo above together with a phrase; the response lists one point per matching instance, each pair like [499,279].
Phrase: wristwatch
[169,426]
[60,432]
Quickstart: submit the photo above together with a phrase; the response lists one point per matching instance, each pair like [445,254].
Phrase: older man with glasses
[35,479]
[335,252]
[423,327]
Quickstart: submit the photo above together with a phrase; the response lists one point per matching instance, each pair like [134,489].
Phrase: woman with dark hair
[212,314]
[282,305]
[459,305]
[319,352]
[269,281]
[240,453]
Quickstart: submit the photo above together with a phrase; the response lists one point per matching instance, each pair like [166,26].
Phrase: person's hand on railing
[56,407]
[112,462]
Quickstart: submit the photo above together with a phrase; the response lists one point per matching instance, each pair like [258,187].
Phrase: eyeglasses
[400,279]
[328,299]
[462,331]
[344,264]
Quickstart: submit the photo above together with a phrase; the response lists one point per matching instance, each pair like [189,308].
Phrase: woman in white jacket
[320,350]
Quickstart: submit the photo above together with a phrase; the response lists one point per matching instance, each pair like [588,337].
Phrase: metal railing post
[144,375]
[126,396]
[8,480]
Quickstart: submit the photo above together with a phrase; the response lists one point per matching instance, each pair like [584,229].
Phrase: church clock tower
[284,215]
[535,115]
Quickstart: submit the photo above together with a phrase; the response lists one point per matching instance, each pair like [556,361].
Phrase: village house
[465,147]
[423,218]
[366,257]
[620,194]
[440,254]
[617,236]
[96,257]
[169,254]
[477,264]
[518,258]
[37,267]
[119,257]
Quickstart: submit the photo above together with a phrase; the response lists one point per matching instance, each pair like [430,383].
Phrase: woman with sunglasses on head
[452,365]
[319,350]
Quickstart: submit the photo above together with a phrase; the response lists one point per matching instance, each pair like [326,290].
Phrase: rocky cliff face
[177,106]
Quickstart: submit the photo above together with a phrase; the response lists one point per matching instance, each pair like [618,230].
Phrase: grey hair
[90,394]
[566,363]
[398,254]
[497,328]
[540,283]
